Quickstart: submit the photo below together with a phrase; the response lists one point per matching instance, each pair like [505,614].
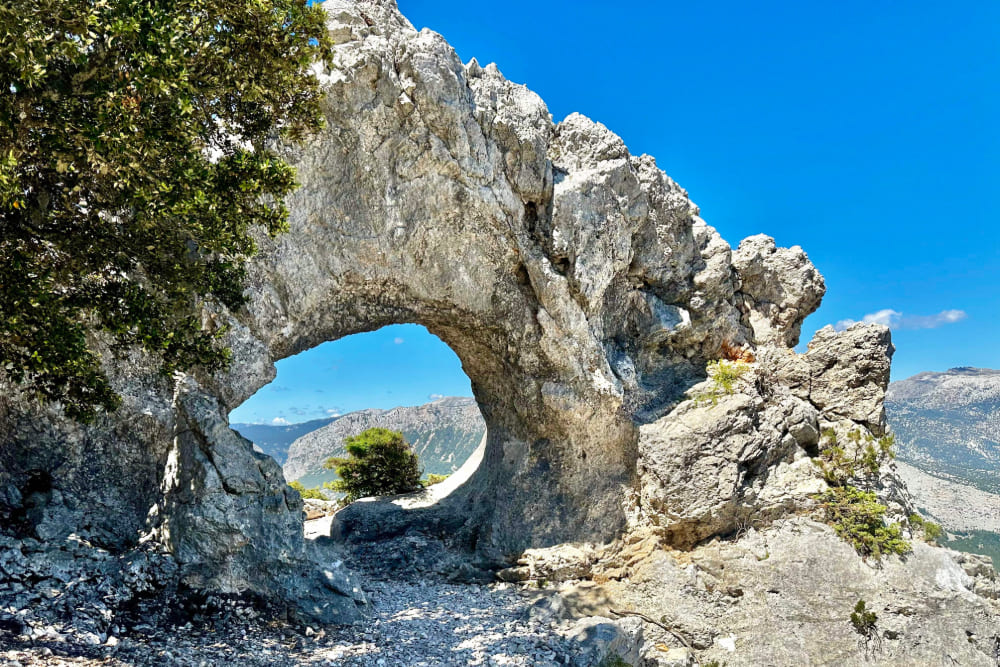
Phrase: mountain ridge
[948,424]
[275,439]
[443,433]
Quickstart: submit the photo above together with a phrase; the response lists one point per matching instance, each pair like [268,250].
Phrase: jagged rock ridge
[443,433]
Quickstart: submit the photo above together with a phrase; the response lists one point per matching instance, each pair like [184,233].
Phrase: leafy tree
[379,463]
[307,494]
[135,161]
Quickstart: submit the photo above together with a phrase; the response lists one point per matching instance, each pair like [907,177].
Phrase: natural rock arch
[575,282]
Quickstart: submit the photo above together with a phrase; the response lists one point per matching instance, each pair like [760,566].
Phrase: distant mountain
[443,434]
[274,440]
[947,428]
[948,424]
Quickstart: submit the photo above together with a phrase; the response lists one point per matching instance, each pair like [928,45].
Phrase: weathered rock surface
[575,282]
[780,286]
[583,295]
[784,595]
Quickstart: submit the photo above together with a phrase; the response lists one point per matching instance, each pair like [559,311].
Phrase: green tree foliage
[859,519]
[838,467]
[865,624]
[433,479]
[379,463]
[932,531]
[134,163]
[724,375]
[307,494]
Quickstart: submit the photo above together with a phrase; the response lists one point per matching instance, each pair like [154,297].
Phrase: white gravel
[442,624]
[411,624]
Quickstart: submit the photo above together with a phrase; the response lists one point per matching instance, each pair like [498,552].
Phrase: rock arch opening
[399,377]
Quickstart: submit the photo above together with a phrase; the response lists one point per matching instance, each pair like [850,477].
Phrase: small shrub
[724,376]
[859,519]
[379,463]
[307,494]
[875,453]
[433,479]
[864,622]
[613,660]
[839,467]
[932,531]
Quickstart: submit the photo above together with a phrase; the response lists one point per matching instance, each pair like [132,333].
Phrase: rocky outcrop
[576,282]
[783,595]
[779,287]
[443,433]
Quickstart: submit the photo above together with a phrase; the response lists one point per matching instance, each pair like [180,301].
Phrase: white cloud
[896,320]
[279,421]
[435,397]
[397,341]
[333,412]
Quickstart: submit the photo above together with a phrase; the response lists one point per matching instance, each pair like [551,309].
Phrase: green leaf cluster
[433,479]
[307,494]
[839,467]
[859,519]
[135,160]
[724,375]
[932,531]
[379,463]
[863,619]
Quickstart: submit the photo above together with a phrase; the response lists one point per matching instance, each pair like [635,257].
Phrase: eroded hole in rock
[400,377]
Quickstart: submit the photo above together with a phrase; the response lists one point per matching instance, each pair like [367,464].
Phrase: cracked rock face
[576,282]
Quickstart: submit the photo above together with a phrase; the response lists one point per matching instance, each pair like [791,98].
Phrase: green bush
[864,622]
[839,467]
[724,375]
[862,619]
[859,519]
[433,479]
[307,494]
[932,531]
[379,463]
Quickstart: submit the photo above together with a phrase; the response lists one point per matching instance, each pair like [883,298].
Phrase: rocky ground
[764,597]
[77,604]
[411,624]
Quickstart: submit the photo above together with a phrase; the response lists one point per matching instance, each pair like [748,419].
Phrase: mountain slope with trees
[275,439]
[948,424]
[443,433]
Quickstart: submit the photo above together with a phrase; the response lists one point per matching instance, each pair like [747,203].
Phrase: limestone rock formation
[579,287]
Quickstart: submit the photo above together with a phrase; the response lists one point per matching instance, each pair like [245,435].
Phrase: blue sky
[399,365]
[866,132]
